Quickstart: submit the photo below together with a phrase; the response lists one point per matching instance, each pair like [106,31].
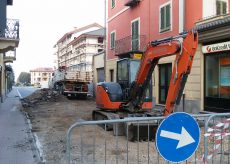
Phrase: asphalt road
[25,91]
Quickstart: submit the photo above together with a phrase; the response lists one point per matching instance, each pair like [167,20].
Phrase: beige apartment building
[40,77]
[76,48]
[9,40]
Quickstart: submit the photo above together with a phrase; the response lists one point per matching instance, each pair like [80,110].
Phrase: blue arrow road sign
[177,137]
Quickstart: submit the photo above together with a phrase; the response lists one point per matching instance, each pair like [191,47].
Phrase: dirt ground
[50,120]
[52,115]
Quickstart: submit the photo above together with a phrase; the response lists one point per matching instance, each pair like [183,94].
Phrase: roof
[42,69]
[68,34]
[99,32]
[213,23]
[95,33]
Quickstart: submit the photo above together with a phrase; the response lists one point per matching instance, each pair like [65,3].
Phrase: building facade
[75,49]
[9,40]
[130,30]
[40,77]
[83,48]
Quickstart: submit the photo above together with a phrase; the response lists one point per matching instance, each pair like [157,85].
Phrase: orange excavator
[131,94]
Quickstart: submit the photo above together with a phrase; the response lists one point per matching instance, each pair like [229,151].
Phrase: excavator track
[102,115]
[134,131]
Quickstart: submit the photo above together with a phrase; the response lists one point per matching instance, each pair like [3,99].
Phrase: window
[221,7]
[99,50]
[100,40]
[122,70]
[135,35]
[112,40]
[165,17]
[113,3]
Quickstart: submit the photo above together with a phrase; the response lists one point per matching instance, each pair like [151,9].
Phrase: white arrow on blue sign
[178,137]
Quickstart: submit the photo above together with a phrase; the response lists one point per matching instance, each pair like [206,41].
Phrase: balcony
[129,45]
[131,3]
[214,28]
[10,37]
[9,56]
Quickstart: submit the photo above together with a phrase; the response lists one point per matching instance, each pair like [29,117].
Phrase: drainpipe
[105,39]
[181,15]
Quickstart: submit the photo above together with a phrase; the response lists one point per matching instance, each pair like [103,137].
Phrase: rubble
[41,95]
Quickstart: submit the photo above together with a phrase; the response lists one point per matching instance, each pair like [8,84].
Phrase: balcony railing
[9,56]
[131,3]
[12,30]
[128,44]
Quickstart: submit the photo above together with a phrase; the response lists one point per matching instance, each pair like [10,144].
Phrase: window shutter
[162,18]
[224,7]
[218,8]
[135,31]
[167,16]
[113,3]
[112,41]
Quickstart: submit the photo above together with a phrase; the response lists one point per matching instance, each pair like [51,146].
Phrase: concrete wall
[111,64]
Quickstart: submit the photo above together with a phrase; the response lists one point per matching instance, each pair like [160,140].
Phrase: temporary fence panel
[217,139]
[110,141]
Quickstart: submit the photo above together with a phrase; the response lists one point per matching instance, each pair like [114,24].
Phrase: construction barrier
[110,141]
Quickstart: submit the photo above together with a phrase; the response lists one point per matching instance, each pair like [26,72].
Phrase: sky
[44,22]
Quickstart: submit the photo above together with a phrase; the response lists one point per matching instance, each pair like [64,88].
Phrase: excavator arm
[184,47]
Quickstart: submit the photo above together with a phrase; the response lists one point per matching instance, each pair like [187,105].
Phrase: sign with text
[224,46]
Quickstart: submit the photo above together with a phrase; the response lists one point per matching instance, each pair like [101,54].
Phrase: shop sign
[225,46]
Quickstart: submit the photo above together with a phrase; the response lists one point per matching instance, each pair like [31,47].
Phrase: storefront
[217,77]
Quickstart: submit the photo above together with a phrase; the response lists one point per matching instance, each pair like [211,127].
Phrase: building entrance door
[165,72]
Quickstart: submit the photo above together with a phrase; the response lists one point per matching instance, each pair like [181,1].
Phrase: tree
[24,78]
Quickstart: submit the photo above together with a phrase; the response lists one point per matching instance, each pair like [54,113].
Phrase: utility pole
[105,38]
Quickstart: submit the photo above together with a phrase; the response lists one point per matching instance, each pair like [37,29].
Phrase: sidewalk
[16,141]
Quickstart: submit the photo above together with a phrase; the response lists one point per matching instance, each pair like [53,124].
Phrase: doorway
[165,72]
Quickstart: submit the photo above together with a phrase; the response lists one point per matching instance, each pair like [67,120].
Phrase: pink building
[134,23]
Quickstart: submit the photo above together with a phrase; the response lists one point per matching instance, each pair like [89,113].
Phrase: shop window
[165,17]
[221,7]
[217,77]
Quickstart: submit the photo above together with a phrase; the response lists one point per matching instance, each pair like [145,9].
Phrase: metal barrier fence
[89,143]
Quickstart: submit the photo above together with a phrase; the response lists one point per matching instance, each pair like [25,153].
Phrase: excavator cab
[126,73]
[115,95]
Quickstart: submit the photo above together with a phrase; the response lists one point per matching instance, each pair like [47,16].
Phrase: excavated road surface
[50,121]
